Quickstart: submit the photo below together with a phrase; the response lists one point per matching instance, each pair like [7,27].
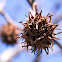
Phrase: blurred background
[16,10]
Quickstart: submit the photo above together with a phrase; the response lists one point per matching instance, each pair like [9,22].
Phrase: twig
[8,54]
[58,44]
[57,51]
[37,58]
[10,20]
[34,6]
[31,2]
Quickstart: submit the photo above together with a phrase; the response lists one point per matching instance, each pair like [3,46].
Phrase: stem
[10,20]
[31,2]
[58,43]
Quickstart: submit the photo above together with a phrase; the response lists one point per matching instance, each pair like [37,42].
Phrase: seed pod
[38,32]
[9,34]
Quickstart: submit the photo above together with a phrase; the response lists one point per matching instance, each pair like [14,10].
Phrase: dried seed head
[9,34]
[38,32]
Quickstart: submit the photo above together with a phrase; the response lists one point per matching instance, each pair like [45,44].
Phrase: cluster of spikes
[9,34]
[38,32]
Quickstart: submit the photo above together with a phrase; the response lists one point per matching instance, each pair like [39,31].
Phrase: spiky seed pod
[9,34]
[38,32]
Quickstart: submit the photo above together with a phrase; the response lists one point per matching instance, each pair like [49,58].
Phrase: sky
[17,9]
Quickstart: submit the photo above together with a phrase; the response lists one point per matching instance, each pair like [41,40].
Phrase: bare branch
[10,20]
[8,54]
[31,2]
[58,44]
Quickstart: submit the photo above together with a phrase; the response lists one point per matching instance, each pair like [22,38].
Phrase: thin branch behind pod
[10,20]
[31,2]
[37,58]
[58,43]
[8,54]
[34,6]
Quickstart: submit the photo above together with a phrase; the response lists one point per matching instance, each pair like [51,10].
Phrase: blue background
[17,9]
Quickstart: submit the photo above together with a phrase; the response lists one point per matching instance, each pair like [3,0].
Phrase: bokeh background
[17,9]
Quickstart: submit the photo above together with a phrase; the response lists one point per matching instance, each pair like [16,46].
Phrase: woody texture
[9,34]
[38,32]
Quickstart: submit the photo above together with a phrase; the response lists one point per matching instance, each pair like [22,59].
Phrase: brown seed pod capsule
[9,34]
[38,32]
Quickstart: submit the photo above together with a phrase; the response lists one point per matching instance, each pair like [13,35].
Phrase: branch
[10,20]
[58,44]
[31,2]
[8,54]
[37,58]
[57,51]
